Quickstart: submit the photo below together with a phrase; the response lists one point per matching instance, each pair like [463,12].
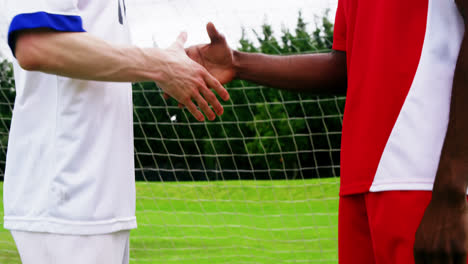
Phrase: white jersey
[70,167]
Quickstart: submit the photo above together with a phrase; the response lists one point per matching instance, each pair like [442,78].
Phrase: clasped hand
[187,81]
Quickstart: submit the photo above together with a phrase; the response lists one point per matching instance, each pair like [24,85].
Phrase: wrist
[237,58]
[148,64]
[448,188]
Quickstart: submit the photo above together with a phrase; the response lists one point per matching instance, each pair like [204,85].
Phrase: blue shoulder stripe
[64,23]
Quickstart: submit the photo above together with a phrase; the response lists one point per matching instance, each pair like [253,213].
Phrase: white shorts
[46,248]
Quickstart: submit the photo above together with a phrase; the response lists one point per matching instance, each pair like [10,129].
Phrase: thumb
[181,40]
[215,36]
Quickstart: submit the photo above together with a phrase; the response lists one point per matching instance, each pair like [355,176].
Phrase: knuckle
[194,91]
[200,70]
[200,83]
[186,100]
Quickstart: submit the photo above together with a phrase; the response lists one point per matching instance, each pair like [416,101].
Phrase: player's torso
[401,61]
[70,153]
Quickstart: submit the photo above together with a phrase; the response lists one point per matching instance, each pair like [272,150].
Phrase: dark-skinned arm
[442,236]
[316,73]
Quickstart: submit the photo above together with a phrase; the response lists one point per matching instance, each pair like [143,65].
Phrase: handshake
[192,74]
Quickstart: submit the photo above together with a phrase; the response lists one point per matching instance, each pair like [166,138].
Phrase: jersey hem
[354,189]
[407,185]
[58,226]
[402,186]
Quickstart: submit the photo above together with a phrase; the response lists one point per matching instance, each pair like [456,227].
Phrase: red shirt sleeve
[339,34]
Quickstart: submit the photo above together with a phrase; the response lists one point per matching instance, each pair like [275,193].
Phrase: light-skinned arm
[83,56]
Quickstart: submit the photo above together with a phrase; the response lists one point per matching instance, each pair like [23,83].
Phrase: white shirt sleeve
[58,15]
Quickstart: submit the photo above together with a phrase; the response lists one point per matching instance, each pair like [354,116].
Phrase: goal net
[257,185]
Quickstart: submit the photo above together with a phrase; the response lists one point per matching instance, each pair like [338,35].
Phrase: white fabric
[45,248]
[62,7]
[70,167]
[411,156]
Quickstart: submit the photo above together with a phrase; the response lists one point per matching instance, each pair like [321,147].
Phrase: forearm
[452,177]
[317,73]
[82,56]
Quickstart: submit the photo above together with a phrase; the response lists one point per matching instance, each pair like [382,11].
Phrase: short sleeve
[339,34]
[58,15]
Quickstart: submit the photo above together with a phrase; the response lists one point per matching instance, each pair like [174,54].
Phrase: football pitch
[228,222]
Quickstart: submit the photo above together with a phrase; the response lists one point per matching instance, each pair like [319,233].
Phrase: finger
[203,105]
[210,97]
[194,111]
[214,34]
[214,84]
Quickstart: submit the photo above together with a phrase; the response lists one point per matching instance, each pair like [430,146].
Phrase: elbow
[27,53]
[28,63]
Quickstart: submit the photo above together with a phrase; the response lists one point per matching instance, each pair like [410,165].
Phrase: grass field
[229,222]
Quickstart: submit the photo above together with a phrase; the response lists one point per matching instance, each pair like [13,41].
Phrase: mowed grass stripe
[229,222]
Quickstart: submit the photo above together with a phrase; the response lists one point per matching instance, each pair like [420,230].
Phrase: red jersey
[401,58]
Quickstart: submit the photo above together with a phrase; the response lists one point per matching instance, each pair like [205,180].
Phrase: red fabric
[380,227]
[383,41]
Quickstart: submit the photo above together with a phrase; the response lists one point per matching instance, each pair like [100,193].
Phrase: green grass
[229,222]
